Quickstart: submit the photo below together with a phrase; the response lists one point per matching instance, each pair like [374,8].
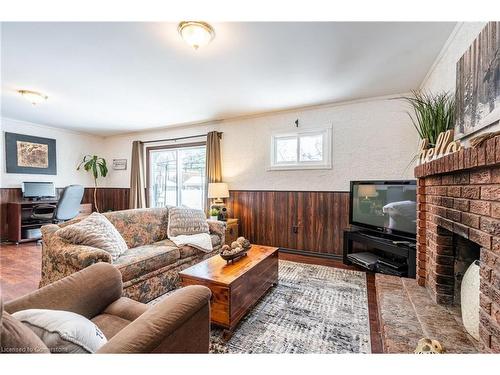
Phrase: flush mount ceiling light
[33,97]
[196,33]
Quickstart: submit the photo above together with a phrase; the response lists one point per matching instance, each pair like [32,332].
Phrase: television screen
[385,205]
[38,189]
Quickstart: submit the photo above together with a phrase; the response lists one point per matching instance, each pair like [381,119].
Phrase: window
[176,176]
[305,149]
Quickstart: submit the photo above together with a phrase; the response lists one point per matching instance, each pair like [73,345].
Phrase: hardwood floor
[20,274]
[19,269]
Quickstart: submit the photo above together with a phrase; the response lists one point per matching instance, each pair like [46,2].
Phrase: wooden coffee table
[236,287]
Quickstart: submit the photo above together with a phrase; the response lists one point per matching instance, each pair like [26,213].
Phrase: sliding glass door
[176,176]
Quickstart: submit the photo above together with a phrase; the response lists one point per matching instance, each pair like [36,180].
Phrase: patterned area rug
[314,309]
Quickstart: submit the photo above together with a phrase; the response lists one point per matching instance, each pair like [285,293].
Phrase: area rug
[313,309]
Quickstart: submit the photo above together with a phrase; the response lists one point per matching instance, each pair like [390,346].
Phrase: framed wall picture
[30,154]
[119,164]
[478,83]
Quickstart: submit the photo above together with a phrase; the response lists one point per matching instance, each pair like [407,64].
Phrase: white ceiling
[108,78]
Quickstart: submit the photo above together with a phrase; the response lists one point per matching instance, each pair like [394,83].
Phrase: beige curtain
[213,168]
[137,177]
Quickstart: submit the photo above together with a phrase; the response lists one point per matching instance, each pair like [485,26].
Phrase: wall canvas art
[30,154]
[34,155]
[478,83]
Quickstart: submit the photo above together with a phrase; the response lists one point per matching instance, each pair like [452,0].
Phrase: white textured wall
[442,75]
[71,147]
[371,139]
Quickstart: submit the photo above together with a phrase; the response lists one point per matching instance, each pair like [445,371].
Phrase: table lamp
[217,191]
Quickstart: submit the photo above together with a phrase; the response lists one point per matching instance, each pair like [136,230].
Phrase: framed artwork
[477,92]
[29,154]
[119,164]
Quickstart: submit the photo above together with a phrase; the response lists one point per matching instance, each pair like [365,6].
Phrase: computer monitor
[38,190]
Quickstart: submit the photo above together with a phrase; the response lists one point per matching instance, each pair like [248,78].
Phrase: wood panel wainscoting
[307,222]
[113,199]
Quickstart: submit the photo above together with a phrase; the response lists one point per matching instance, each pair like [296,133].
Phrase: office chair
[67,208]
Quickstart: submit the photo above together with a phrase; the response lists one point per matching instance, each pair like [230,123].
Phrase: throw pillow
[186,221]
[63,331]
[15,337]
[96,231]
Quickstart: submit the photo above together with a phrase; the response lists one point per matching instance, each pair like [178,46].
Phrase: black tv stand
[402,247]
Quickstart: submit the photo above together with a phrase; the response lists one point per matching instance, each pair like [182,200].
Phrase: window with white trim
[304,149]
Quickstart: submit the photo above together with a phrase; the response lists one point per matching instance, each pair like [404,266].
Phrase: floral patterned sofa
[149,267]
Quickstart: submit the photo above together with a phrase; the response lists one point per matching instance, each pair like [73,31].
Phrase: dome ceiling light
[33,97]
[196,33]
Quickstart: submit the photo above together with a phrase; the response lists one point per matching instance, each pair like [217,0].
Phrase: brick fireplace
[458,203]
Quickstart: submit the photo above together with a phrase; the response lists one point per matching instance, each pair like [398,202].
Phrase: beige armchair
[178,324]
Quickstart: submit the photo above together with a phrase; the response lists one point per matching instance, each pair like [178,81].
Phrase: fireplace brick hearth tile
[480,176]
[481,155]
[491,226]
[454,191]
[497,157]
[407,314]
[470,220]
[480,207]
[477,236]
[461,230]
[461,204]
[471,192]
[490,151]
[490,192]
[485,303]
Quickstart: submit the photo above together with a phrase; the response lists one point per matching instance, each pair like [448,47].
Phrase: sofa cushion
[63,331]
[142,260]
[96,231]
[186,221]
[15,337]
[142,226]
[110,324]
[188,251]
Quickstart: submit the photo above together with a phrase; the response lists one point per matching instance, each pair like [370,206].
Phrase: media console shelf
[384,243]
[20,225]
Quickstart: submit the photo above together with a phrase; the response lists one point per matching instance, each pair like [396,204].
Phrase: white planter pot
[469,295]
[213,217]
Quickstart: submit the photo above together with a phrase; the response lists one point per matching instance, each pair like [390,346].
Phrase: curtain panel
[213,168]
[137,177]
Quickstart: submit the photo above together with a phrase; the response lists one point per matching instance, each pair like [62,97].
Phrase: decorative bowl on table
[237,249]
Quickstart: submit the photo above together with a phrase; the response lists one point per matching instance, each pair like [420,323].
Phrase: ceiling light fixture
[196,33]
[33,97]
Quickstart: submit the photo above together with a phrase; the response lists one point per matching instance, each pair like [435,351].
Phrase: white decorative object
[63,331]
[469,296]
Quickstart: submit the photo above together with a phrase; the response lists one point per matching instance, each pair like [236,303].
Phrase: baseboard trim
[310,254]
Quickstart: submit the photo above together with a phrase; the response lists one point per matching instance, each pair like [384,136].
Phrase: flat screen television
[38,190]
[385,206]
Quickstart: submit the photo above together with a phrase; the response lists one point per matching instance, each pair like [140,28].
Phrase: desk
[19,222]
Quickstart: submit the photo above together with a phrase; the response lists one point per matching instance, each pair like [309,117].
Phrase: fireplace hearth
[458,221]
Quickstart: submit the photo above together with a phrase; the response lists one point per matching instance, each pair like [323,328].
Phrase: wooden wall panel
[108,199]
[113,199]
[307,221]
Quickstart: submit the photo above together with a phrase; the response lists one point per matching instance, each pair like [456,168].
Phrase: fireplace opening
[466,252]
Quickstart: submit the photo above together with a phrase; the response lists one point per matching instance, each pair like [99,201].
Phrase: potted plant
[432,114]
[213,213]
[97,166]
